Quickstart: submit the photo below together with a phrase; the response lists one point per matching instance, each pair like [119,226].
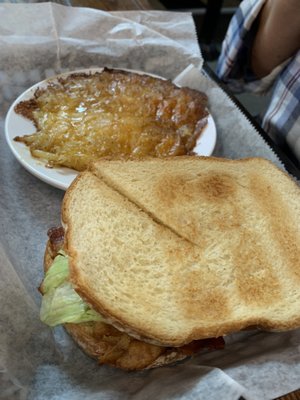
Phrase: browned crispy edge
[26,108]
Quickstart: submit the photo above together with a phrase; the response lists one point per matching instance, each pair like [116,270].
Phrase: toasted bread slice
[199,197]
[124,264]
[112,347]
[231,260]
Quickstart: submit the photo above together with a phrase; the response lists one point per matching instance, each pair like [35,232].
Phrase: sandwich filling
[61,303]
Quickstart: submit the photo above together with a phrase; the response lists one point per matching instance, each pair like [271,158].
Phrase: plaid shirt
[282,118]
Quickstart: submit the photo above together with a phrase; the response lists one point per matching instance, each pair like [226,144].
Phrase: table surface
[118,5]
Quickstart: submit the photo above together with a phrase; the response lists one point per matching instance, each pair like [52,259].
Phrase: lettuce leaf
[61,303]
[57,273]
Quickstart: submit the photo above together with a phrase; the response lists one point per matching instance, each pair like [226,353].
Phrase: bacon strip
[56,239]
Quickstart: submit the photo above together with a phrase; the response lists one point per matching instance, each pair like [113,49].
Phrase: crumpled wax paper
[38,41]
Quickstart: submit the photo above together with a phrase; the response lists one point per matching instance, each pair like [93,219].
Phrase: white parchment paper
[41,40]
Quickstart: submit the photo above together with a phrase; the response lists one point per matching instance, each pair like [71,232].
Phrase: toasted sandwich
[160,258]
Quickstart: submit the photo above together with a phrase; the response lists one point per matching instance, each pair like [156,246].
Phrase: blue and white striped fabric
[282,118]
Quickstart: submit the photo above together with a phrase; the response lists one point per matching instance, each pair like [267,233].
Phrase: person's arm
[278,35]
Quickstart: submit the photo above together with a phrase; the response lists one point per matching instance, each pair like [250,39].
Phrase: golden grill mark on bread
[179,254]
[83,117]
[188,191]
[209,302]
[254,275]
[283,226]
[215,186]
[169,189]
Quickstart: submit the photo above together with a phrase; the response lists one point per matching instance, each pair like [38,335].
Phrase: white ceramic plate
[16,125]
